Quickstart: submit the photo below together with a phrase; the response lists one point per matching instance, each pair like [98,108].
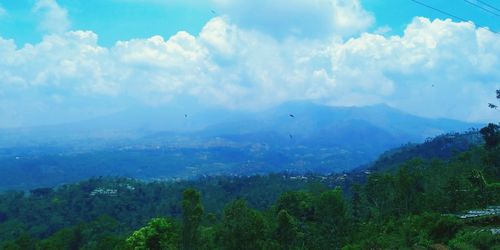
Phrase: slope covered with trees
[443,147]
[418,204]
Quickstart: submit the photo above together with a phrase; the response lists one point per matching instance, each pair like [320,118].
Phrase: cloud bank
[437,68]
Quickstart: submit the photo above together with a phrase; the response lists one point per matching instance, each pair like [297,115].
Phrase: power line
[489,5]
[448,14]
[481,7]
[441,11]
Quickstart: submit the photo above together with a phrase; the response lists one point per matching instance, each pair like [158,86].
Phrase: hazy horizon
[249,124]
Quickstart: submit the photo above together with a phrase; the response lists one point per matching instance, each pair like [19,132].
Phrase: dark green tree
[286,230]
[491,135]
[159,234]
[454,194]
[192,212]
[332,220]
[408,188]
[356,203]
[23,242]
[379,192]
[297,204]
[241,228]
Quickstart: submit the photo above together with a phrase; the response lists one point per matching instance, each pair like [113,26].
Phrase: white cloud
[68,62]
[54,18]
[456,58]
[313,18]
[437,68]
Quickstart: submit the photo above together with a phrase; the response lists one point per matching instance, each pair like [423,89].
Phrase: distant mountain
[152,143]
[309,118]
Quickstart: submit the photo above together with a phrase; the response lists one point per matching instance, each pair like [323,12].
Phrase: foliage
[413,206]
[286,231]
[491,135]
[159,234]
[192,212]
[241,227]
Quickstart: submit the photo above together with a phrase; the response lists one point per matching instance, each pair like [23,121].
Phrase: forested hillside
[441,147]
[249,125]
[418,204]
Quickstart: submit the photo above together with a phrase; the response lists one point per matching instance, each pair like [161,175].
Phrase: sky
[70,60]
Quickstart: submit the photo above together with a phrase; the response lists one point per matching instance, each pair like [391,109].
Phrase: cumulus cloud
[314,18]
[437,68]
[54,18]
[72,60]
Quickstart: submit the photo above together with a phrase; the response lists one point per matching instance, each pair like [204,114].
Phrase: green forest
[249,125]
[420,204]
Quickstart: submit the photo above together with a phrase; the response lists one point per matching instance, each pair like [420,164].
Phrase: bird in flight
[493,106]
[291,115]
[291,137]
[185,115]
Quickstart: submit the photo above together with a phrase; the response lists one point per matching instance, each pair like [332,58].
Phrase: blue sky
[117,20]
[66,60]
[112,20]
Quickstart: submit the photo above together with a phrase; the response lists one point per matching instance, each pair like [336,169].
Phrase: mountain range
[161,143]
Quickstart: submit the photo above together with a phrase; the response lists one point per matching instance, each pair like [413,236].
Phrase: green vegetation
[416,205]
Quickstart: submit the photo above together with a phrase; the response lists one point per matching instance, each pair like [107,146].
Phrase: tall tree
[356,203]
[379,191]
[286,230]
[297,204]
[332,218]
[192,212]
[242,227]
[159,234]
[491,135]
[408,187]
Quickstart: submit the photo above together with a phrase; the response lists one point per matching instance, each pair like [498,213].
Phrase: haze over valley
[249,124]
[160,144]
